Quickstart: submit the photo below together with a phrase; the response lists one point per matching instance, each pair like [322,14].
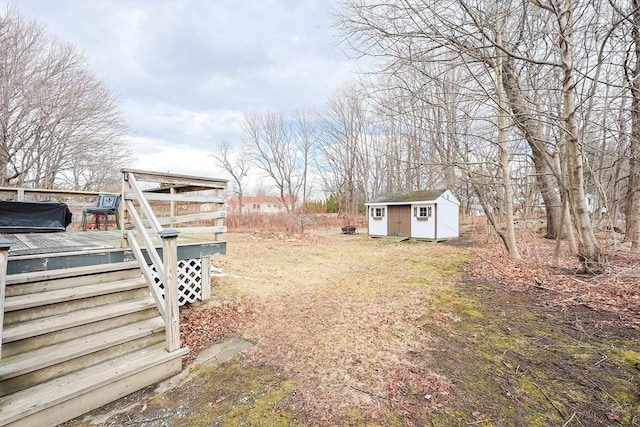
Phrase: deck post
[173,206]
[122,209]
[219,221]
[170,281]
[5,244]
[205,278]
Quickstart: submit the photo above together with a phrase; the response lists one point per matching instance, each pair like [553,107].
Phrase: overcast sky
[187,71]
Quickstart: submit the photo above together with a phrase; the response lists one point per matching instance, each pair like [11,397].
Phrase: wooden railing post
[205,278]
[4,257]
[170,281]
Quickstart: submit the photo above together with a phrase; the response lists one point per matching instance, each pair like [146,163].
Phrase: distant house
[430,214]
[256,205]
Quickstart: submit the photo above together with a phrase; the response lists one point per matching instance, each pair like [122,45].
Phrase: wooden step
[49,324]
[61,283]
[52,338]
[30,379]
[18,316]
[21,364]
[66,397]
[22,302]
[39,276]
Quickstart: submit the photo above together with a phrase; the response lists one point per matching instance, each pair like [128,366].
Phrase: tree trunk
[588,250]
[632,208]
[546,178]
[510,240]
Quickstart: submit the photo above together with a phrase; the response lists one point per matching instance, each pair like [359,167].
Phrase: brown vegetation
[350,330]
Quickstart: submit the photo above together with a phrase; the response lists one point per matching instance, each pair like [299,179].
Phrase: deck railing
[27,194]
[76,201]
[4,255]
[145,195]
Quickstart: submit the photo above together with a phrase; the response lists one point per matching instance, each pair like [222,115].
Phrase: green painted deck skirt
[51,251]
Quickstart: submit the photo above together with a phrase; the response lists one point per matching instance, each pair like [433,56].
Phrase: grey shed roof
[414,196]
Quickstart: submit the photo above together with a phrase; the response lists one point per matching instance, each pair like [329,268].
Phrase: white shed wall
[448,219]
[422,228]
[377,226]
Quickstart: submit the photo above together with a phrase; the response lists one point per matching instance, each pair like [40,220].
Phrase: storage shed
[429,214]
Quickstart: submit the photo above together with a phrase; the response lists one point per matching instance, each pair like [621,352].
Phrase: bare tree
[632,206]
[415,38]
[237,166]
[345,150]
[562,13]
[273,150]
[493,42]
[307,135]
[52,110]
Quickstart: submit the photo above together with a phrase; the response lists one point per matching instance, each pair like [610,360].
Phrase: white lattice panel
[189,280]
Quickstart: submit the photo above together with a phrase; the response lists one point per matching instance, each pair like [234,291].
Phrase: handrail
[144,204]
[165,267]
[146,238]
[155,292]
[140,221]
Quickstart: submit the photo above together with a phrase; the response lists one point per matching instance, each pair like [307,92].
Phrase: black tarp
[33,217]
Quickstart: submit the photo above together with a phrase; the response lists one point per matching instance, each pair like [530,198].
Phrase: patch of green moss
[583,357]
[543,398]
[391,420]
[543,333]
[619,393]
[235,394]
[449,267]
[458,303]
[262,408]
[629,357]
[442,264]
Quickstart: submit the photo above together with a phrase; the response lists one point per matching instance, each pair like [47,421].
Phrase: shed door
[399,221]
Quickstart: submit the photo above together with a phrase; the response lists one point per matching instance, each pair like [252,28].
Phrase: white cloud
[186,72]
[174,159]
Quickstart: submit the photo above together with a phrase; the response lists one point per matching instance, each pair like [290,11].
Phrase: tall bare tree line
[517,105]
[557,74]
[59,124]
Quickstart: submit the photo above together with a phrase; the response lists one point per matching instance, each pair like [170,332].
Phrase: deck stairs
[77,338]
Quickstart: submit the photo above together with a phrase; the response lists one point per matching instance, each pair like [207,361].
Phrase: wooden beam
[171,178]
[144,205]
[173,205]
[188,198]
[203,230]
[203,216]
[48,191]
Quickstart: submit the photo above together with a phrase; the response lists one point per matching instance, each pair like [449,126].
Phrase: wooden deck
[67,241]
[47,251]
[87,316]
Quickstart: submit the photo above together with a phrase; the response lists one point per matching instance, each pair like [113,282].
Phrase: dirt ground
[349,330]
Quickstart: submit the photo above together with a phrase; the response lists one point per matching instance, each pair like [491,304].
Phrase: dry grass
[350,330]
[341,315]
